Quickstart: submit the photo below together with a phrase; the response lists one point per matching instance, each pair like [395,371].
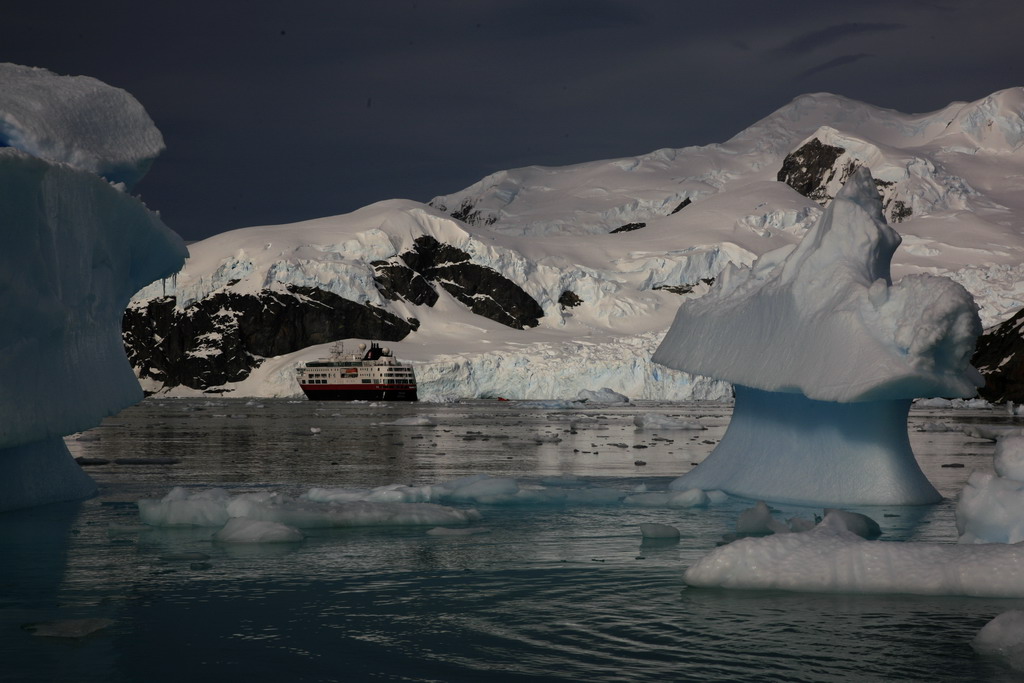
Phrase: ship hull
[340,393]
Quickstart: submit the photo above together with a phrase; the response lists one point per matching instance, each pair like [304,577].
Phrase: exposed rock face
[484,290]
[682,205]
[569,299]
[467,213]
[629,227]
[816,167]
[396,281]
[1000,359]
[221,338]
[809,169]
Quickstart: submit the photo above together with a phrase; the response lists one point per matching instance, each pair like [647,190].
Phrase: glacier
[607,250]
[826,355]
[77,246]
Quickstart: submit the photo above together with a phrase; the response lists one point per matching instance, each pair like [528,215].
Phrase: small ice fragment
[651,530]
[1009,458]
[604,395]
[653,421]
[68,628]
[759,520]
[690,498]
[856,523]
[415,421]
[314,430]
[1003,637]
[717,497]
[464,531]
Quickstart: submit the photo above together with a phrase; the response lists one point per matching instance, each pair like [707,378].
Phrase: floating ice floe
[242,530]
[662,422]
[954,403]
[215,507]
[604,395]
[69,628]
[180,507]
[482,489]
[938,427]
[659,531]
[414,421]
[830,558]
[991,432]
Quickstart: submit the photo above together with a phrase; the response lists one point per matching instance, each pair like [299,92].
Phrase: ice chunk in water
[1003,637]
[660,531]
[241,530]
[181,508]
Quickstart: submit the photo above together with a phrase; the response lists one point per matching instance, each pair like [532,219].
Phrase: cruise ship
[372,374]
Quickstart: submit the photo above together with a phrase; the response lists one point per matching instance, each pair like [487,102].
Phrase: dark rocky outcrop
[682,205]
[628,227]
[221,338]
[467,213]
[1000,358]
[812,167]
[684,289]
[395,281]
[809,168]
[484,290]
[569,299]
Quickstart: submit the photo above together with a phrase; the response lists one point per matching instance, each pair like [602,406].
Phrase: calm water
[551,593]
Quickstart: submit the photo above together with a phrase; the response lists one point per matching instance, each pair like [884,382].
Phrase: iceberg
[830,558]
[76,247]
[826,355]
[990,508]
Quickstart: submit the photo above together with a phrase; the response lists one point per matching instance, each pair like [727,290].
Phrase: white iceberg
[826,355]
[75,249]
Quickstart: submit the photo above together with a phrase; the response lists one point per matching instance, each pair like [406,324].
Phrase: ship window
[366,381]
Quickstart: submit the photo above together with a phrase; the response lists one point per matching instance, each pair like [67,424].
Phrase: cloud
[832,64]
[813,40]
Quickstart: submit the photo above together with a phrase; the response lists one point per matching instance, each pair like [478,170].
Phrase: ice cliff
[826,354]
[75,249]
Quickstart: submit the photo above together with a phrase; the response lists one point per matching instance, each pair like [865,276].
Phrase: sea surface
[548,593]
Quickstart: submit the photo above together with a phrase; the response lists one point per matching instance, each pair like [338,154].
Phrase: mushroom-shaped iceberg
[826,355]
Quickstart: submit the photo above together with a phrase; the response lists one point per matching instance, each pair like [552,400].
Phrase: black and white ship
[372,374]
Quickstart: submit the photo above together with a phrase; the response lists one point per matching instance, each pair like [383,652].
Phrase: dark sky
[283,111]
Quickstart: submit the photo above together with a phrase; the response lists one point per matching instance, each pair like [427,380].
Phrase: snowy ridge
[609,249]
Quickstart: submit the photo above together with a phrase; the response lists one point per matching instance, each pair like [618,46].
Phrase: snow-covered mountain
[540,282]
